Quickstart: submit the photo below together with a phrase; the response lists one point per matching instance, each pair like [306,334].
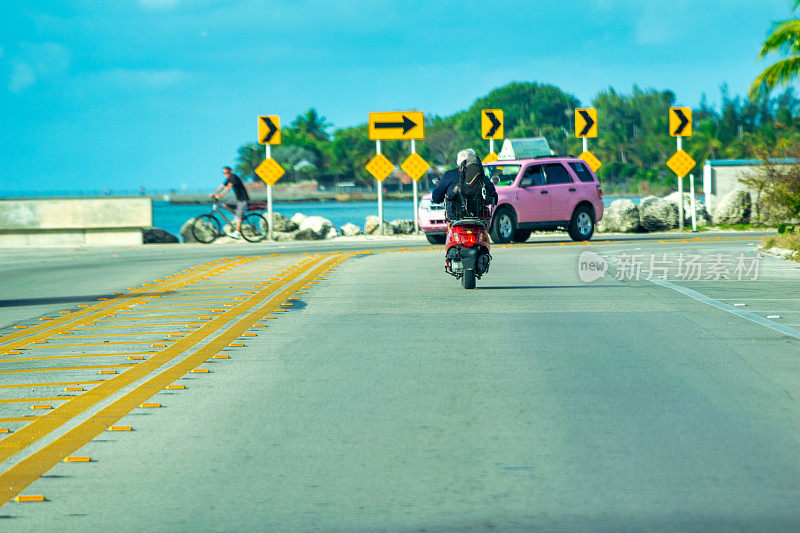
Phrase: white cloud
[158,4]
[22,77]
[38,61]
[145,79]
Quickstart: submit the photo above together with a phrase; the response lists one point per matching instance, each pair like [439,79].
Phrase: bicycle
[207,228]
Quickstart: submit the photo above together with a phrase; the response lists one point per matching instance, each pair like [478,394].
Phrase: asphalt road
[387,397]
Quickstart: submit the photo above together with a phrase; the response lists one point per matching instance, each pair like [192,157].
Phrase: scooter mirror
[495,179]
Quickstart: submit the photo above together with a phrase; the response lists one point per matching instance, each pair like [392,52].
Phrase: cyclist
[238,208]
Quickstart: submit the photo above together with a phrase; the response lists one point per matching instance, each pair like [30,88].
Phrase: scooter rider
[444,189]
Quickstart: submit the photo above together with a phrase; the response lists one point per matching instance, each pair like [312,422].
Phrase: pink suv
[545,193]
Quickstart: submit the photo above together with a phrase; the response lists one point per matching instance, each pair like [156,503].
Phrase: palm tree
[785,38]
[250,156]
[313,125]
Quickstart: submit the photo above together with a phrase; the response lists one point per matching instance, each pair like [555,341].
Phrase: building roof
[745,162]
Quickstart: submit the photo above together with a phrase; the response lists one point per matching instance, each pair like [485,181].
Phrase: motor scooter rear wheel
[468,279]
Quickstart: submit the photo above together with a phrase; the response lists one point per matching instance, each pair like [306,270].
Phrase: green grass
[788,241]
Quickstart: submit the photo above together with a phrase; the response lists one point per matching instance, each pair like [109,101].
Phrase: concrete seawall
[74,222]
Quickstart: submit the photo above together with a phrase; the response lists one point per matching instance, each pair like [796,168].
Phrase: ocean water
[171,217]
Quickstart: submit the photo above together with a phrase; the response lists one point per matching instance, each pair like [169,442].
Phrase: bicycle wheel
[254,227]
[206,229]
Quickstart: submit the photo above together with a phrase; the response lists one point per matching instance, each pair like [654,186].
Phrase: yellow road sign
[491,157]
[681,163]
[415,166]
[492,123]
[593,162]
[270,171]
[586,123]
[396,125]
[380,167]
[680,121]
[269,129]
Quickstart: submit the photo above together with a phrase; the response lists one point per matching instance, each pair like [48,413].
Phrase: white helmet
[463,155]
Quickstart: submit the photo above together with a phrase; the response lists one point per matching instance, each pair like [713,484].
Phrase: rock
[157,235]
[402,226]
[701,214]
[281,223]
[317,226]
[188,236]
[283,236]
[620,216]
[733,208]
[372,225]
[297,218]
[332,233]
[349,230]
[657,214]
[306,234]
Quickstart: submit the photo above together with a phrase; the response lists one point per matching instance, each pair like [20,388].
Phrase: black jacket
[450,180]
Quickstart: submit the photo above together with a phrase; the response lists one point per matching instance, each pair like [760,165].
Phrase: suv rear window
[556,173]
[581,171]
[506,173]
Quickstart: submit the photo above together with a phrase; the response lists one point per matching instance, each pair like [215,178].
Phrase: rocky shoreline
[661,213]
[621,216]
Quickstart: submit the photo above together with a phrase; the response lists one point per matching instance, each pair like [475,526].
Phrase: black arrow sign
[407,124]
[589,122]
[272,129]
[684,121]
[495,123]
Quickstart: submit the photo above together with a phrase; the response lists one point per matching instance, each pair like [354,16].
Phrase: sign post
[269,133]
[393,125]
[680,126]
[491,128]
[694,211]
[586,127]
[415,167]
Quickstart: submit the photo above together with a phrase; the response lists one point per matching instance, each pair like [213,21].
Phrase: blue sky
[160,93]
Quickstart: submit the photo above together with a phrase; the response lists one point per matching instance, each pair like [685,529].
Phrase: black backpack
[470,185]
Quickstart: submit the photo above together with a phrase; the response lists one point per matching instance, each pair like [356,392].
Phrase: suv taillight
[600,192]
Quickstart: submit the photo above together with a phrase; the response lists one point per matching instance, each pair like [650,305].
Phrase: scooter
[467,254]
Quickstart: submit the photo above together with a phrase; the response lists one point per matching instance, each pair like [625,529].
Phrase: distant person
[237,208]
[447,188]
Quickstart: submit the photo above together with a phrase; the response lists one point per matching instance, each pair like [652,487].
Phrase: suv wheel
[581,227]
[503,226]
[435,239]
[522,235]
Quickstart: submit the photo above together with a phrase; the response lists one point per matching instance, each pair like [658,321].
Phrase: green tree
[312,125]
[250,156]
[785,40]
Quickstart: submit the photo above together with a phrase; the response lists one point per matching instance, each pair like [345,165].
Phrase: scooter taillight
[467,239]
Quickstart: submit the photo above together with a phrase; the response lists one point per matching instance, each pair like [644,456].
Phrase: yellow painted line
[135,358]
[120,428]
[30,418]
[73,389]
[42,406]
[75,356]
[28,400]
[221,356]
[51,384]
[107,372]
[248,334]
[184,324]
[20,327]
[236,345]
[78,459]
[102,335]
[14,340]
[175,387]
[87,367]
[205,317]
[91,344]
[150,405]
[22,474]
[201,371]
